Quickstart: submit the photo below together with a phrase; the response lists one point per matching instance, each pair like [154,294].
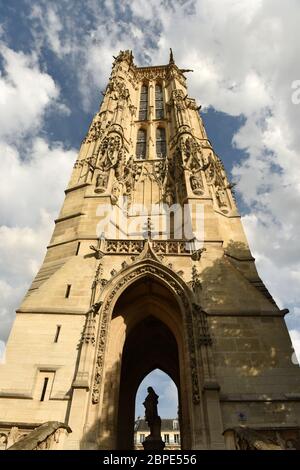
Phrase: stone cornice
[246,313]
[70,216]
[78,186]
[52,310]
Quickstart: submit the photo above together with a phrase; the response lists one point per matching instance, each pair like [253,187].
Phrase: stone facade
[125,287]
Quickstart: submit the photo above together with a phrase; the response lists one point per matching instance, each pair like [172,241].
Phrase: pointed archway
[146,288]
[147,331]
[150,345]
[167,392]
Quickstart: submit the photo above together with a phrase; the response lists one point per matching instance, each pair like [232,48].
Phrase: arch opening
[167,391]
[151,316]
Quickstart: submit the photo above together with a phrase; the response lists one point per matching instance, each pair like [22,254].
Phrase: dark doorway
[149,345]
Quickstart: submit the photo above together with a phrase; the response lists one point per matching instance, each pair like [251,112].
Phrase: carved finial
[171,59]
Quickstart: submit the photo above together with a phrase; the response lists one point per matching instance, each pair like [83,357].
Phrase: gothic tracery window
[143,103]
[161,148]
[141,144]
[159,105]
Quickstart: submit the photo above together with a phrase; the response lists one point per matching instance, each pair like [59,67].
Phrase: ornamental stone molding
[149,265]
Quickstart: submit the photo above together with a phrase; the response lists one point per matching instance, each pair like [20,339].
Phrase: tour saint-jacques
[148,268]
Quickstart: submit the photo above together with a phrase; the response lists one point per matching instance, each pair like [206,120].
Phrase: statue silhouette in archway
[153,441]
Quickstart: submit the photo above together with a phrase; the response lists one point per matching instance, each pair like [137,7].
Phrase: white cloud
[25,178]
[27,162]
[27,219]
[142,9]
[53,29]
[20,254]
[25,94]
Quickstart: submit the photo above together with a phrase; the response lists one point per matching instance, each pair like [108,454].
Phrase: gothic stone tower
[148,267]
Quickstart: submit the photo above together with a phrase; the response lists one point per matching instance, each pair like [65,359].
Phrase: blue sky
[165,388]
[55,58]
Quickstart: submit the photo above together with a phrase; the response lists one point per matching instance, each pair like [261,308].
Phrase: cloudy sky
[55,58]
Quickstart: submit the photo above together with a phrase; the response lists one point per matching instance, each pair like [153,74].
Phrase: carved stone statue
[180,107]
[115,192]
[169,195]
[196,184]
[101,182]
[153,441]
[221,197]
[109,152]
[192,154]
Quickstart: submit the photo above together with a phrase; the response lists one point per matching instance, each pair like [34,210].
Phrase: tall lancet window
[159,103]
[141,144]
[161,147]
[143,114]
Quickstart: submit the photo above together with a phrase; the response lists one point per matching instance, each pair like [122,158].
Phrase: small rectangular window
[46,380]
[58,328]
[142,438]
[77,249]
[167,438]
[43,385]
[68,290]
[176,439]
